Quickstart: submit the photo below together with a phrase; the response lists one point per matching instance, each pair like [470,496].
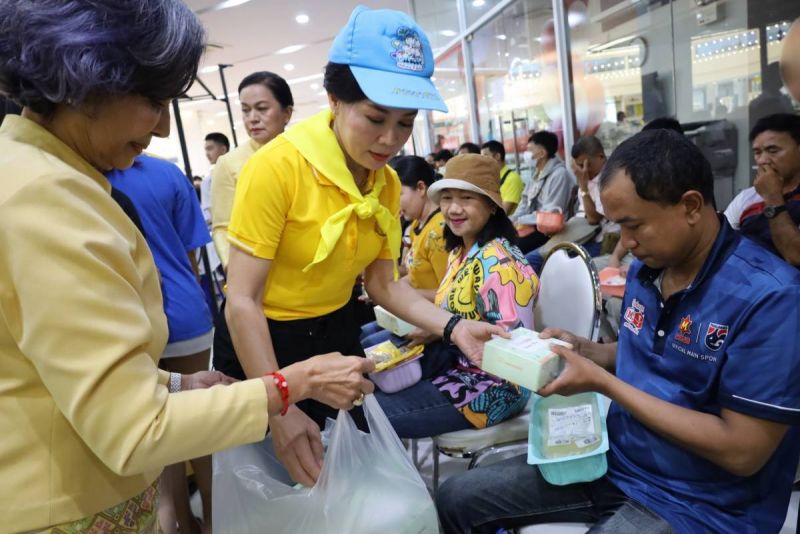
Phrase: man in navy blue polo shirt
[707,386]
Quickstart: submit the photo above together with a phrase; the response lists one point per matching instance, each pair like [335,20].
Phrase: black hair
[274,82]
[71,52]
[340,82]
[496,147]
[664,123]
[443,155]
[588,145]
[413,169]
[220,139]
[663,165]
[498,225]
[471,148]
[779,122]
[546,139]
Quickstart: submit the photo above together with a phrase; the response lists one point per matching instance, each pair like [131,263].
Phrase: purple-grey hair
[70,51]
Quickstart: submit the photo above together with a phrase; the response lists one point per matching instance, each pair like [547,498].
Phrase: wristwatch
[771,211]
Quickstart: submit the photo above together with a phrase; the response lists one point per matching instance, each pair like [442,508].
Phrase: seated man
[550,189]
[511,185]
[706,400]
[769,212]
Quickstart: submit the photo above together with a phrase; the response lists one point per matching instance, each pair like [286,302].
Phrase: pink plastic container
[611,290]
[398,378]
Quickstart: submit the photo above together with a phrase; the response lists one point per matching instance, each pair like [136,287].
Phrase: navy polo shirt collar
[725,243]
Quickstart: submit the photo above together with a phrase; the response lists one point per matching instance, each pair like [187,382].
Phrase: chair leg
[415,453]
[435,454]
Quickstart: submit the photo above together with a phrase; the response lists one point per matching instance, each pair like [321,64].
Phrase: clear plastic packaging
[368,484]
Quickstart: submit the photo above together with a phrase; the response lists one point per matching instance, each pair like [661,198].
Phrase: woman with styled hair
[89,421]
[316,207]
[267,105]
[487,280]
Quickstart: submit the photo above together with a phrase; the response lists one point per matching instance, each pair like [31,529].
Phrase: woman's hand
[338,380]
[298,445]
[205,379]
[470,336]
[421,337]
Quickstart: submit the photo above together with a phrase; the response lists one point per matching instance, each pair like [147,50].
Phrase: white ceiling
[248,37]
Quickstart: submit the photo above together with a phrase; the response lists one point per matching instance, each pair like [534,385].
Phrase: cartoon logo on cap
[408,54]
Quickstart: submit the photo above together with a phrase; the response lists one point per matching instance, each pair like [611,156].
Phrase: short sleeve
[511,191]
[187,215]
[594,192]
[760,374]
[263,198]
[390,197]
[734,211]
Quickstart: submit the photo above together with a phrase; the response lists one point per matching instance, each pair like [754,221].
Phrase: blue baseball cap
[390,57]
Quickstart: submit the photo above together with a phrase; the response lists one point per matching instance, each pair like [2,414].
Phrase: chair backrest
[569,292]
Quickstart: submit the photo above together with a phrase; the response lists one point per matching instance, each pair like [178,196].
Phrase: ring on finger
[359,401]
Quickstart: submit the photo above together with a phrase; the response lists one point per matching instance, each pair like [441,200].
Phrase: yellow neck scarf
[315,140]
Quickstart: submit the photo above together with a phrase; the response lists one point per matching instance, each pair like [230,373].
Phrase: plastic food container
[399,377]
[392,323]
[567,438]
[611,283]
[524,359]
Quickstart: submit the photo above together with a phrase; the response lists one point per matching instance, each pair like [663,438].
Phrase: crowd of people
[107,335]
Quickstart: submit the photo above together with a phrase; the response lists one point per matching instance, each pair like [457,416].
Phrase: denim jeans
[374,338]
[421,410]
[369,329]
[513,494]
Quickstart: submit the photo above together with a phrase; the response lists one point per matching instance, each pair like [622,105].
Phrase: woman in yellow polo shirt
[426,257]
[267,105]
[88,420]
[317,206]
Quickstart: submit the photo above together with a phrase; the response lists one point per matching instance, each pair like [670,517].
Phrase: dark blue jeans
[422,411]
[512,494]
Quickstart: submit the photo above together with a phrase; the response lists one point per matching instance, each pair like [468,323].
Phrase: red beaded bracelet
[283,388]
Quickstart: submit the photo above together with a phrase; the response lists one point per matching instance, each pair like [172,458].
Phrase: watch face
[769,212]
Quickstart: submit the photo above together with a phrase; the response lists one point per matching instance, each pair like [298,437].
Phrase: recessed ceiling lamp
[302,18]
[315,87]
[289,67]
[501,36]
[290,49]
[478,3]
[448,33]
[209,69]
[221,5]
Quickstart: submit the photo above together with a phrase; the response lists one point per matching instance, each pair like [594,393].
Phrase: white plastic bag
[368,484]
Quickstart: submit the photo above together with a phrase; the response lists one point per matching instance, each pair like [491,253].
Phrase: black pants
[295,341]
[532,241]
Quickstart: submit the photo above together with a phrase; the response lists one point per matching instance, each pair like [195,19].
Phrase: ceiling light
[290,49]
[221,5]
[288,67]
[314,86]
[209,69]
[302,18]
[478,3]
[502,36]
[322,93]
[448,33]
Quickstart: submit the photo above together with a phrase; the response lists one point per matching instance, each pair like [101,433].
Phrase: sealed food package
[525,359]
[392,323]
[567,438]
[368,484]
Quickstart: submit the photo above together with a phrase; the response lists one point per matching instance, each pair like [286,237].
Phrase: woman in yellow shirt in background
[316,207]
[267,105]
[426,258]
[89,421]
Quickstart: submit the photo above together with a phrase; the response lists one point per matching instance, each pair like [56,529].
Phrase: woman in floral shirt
[488,280]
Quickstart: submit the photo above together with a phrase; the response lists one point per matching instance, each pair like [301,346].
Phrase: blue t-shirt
[173,222]
[730,340]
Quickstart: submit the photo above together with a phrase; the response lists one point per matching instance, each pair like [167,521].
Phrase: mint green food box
[524,359]
[392,323]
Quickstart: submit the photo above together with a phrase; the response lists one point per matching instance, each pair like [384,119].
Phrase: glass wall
[516,77]
[712,67]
